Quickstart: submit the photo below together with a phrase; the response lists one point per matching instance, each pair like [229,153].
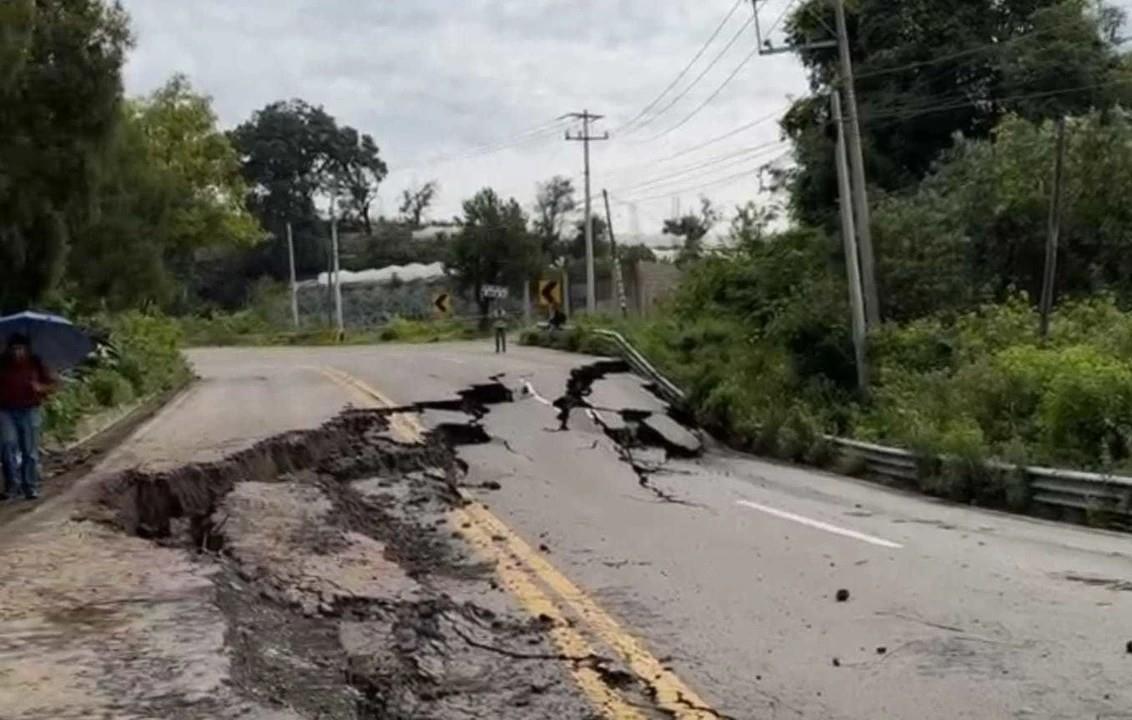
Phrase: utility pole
[618,280]
[337,270]
[857,164]
[294,282]
[852,266]
[1049,277]
[587,117]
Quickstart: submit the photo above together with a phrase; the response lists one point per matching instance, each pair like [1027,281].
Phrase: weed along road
[443,549]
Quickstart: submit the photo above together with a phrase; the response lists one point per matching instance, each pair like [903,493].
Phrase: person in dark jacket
[24,384]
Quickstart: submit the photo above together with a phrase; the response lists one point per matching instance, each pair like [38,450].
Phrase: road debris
[842,595]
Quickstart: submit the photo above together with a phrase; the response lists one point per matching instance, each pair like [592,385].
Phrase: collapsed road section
[345,581]
[346,592]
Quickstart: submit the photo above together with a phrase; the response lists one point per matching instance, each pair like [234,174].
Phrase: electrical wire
[683,72]
[709,98]
[780,17]
[683,93]
[714,161]
[633,194]
[522,138]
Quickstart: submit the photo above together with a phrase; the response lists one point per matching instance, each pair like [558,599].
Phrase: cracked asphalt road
[711,581]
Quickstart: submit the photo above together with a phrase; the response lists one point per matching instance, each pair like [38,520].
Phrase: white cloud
[432,78]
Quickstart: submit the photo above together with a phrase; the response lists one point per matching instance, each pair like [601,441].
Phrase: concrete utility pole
[857,163]
[587,117]
[294,282]
[852,266]
[1049,277]
[337,271]
[618,280]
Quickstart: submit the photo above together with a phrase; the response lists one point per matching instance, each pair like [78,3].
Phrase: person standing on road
[24,384]
[500,330]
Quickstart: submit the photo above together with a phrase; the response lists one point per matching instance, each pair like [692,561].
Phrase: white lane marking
[534,393]
[872,540]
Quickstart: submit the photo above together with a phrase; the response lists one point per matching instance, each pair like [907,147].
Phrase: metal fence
[1100,498]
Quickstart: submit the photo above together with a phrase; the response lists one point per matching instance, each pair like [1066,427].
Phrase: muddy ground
[346,585]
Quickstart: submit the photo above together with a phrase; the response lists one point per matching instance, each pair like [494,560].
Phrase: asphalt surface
[726,569]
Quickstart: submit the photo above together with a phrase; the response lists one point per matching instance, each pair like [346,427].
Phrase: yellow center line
[670,692]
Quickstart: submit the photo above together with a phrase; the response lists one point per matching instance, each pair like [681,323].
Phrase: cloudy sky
[467,91]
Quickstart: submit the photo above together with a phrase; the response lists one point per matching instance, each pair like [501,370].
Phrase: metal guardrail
[1074,490]
[664,387]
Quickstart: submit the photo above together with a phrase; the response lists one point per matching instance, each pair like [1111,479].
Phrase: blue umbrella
[55,340]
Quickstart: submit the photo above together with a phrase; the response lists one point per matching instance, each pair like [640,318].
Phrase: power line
[746,172]
[699,146]
[929,109]
[780,17]
[715,61]
[703,174]
[731,133]
[521,138]
[714,161]
[687,67]
[710,98]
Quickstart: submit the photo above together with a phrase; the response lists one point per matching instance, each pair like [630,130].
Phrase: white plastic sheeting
[404,273]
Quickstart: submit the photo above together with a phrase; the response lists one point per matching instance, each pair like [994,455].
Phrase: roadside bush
[145,358]
[110,388]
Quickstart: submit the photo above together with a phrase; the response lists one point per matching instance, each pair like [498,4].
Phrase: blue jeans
[19,434]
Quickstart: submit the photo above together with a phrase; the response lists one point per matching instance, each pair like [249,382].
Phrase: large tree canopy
[493,246]
[929,69]
[976,228]
[171,188]
[294,153]
[60,91]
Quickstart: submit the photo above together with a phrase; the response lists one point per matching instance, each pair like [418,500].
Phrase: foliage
[493,246]
[60,90]
[171,189]
[291,153]
[247,328]
[928,70]
[554,203]
[416,201]
[146,359]
[577,247]
[693,227]
[975,229]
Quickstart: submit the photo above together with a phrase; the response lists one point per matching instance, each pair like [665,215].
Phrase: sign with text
[498,292]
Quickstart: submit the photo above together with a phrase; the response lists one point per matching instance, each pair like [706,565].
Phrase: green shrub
[110,388]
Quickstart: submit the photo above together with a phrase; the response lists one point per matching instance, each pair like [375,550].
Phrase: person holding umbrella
[24,384]
[37,346]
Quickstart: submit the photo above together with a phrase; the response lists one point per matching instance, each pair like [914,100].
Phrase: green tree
[292,153]
[600,235]
[975,229]
[633,254]
[693,228]
[554,203]
[60,91]
[930,69]
[172,189]
[493,246]
[416,201]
